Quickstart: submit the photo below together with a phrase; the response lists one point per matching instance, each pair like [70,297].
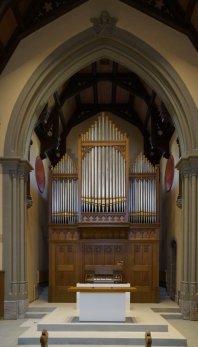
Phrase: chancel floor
[61,320]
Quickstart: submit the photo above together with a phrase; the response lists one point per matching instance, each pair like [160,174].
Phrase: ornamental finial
[105,24]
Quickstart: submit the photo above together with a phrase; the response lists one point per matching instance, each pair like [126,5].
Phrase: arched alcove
[66,60]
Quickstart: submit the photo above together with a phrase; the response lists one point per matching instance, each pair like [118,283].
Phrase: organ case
[104,212]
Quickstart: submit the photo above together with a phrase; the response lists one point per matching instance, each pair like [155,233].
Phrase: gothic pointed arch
[73,55]
[76,53]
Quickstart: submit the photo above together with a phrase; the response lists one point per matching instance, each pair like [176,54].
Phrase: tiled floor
[10,330]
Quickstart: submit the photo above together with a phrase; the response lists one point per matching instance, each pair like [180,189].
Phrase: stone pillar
[15,173]
[189,285]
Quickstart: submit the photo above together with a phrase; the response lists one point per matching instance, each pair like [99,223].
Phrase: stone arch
[66,60]
[80,51]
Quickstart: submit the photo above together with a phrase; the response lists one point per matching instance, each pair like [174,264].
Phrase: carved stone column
[15,173]
[189,286]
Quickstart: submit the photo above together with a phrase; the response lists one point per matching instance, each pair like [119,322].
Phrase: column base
[15,309]
[189,309]
[188,300]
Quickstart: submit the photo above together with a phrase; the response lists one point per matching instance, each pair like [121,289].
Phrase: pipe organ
[64,190]
[103,211]
[143,192]
[103,172]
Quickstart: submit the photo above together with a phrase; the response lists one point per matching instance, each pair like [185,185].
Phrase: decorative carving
[29,201]
[152,234]
[103,218]
[105,24]
[179,201]
[63,235]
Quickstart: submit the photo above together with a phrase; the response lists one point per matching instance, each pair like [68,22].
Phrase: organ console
[102,208]
[103,274]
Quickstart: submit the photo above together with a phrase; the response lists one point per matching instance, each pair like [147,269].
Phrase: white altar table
[103,302]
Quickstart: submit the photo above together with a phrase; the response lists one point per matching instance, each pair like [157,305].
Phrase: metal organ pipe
[106,179]
[103,179]
[142,191]
[64,192]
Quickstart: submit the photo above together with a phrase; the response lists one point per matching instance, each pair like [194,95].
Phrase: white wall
[171,217]
[37,226]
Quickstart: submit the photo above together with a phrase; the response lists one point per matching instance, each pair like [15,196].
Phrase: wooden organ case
[104,213]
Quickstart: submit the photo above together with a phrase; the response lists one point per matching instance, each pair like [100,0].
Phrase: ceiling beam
[124,111]
[151,103]
[59,109]
[82,81]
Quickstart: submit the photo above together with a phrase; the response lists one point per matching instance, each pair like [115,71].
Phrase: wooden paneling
[63,270]
[97,232]
[144,271]
[137,256]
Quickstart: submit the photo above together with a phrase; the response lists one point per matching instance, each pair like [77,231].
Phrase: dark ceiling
[102,86]
[109,87]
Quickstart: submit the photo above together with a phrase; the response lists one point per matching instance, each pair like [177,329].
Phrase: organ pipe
[64,209]
[105,183]
[143,191]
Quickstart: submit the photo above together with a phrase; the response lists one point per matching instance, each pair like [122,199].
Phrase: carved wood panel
[144,272]
[100,253]
[138,257]
[63,272]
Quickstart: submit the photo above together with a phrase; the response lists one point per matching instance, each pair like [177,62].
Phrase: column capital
[15,172]
[15,166]
[188,166]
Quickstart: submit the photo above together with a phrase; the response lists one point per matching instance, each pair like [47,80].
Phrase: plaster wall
[171,217]
[37,227]
[1,216]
